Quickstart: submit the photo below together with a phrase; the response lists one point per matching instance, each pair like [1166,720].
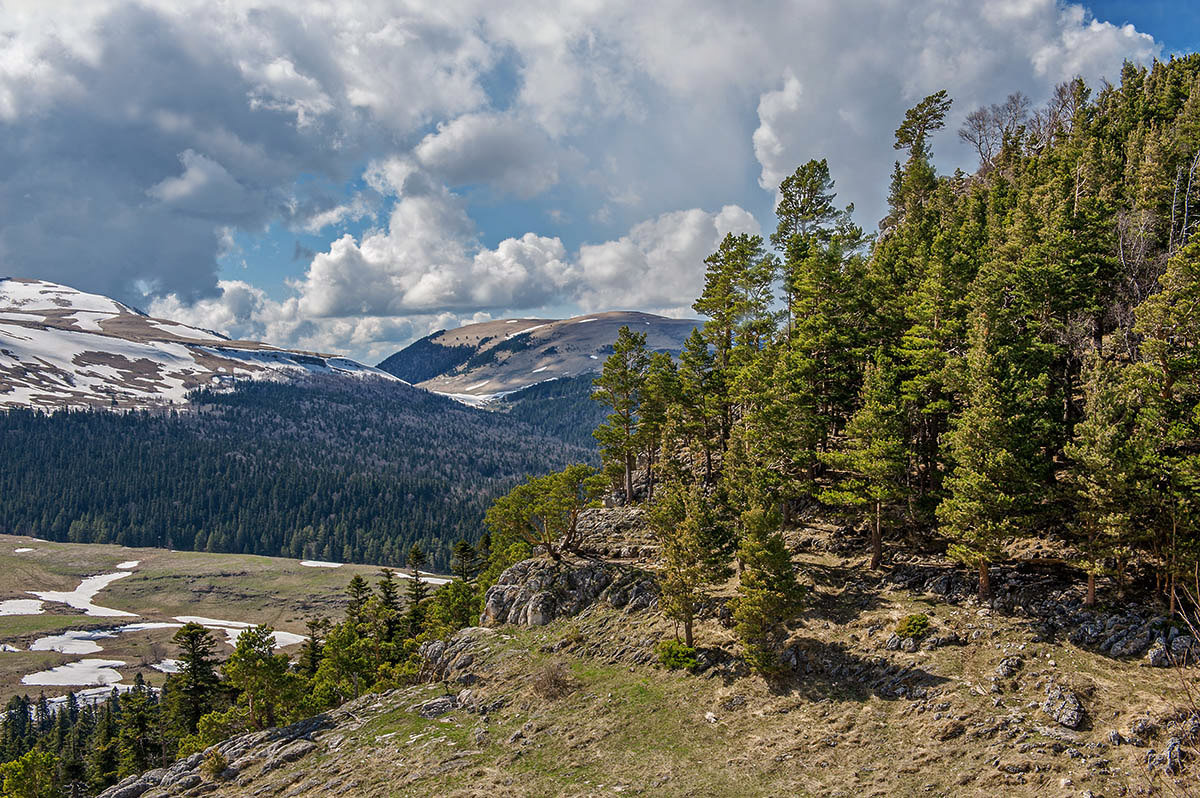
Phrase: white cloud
[512,155]
[659,265]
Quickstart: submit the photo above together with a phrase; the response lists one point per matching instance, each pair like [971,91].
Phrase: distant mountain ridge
[61,347]
[482,362]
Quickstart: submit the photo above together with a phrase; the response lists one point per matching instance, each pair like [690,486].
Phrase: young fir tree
[685,529]
[418,590]
[979,512]
[871,465]
[768,593]
[194,689]
[464,561]
[1101,476]
[1169,323]
[619,386]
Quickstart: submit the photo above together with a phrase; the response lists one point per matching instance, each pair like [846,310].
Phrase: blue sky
[348,177]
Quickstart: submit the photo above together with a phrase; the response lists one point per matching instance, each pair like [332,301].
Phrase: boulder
[1157,656]
[436,707]
[1064,707]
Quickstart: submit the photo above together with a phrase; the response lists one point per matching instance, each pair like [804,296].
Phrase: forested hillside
[1015,354]
[325,468]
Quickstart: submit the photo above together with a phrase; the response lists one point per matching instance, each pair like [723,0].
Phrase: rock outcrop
[536,591]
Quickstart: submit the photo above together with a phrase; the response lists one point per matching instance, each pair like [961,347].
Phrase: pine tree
[684,527]
[619,386]
[871,464]
[768,593]
[979,512]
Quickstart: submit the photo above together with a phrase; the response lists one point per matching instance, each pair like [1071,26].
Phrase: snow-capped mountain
[480,362]
[60,348]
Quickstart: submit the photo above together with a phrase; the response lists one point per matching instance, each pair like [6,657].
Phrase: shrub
[913,626]
[553,680]
[214,764]
[674,655]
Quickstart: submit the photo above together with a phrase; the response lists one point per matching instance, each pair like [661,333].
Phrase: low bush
[913,626]
[674,655]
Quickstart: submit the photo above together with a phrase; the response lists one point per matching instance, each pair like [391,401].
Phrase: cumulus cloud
[138,137]
[658,266]
[499,150]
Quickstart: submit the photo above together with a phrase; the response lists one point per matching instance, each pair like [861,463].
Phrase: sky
[347,177]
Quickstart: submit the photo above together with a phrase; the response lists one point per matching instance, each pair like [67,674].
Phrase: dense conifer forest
[327,469]
[1013,355]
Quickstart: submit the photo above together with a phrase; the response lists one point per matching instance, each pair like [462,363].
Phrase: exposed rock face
[249,755]
[451,660]
[536,591]
[618,532]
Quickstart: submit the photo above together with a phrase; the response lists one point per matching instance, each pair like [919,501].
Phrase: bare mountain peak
[483,361]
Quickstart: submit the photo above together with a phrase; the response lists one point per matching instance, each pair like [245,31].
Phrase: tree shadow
[841,593]
[815,669]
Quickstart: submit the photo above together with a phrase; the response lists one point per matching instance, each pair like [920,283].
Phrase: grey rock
[536,591]
[893,643]
[1157,656]
[1009,666]
[436,707]
[1064,707]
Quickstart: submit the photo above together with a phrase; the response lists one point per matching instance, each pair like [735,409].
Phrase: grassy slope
[635,729]
[232,587]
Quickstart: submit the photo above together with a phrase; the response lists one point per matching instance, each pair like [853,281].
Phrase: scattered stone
[1157,656]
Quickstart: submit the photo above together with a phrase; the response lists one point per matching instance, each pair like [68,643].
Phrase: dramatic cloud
[456,158]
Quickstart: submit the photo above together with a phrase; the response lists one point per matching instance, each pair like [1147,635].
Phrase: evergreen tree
[685,530]
[768,593]
[871,465]
[194,689]
[1102,474]
[619,386]
[418,590]
[979,512]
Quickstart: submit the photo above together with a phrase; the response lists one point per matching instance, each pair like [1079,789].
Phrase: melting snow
[233,629]
[81,672]
[540,370]
[585,321]
[167,666]
[81,597]
[8,648]
[320,564]
[125,566]
[21,607]
[73,642]
[22,550]
[526,330]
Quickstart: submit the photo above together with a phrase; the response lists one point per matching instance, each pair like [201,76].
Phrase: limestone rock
[1064,707]
[536,591]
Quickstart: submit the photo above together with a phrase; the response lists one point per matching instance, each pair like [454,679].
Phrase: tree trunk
[1091,594]
[985,583]
[687,632]
[877,538]
[629,465]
